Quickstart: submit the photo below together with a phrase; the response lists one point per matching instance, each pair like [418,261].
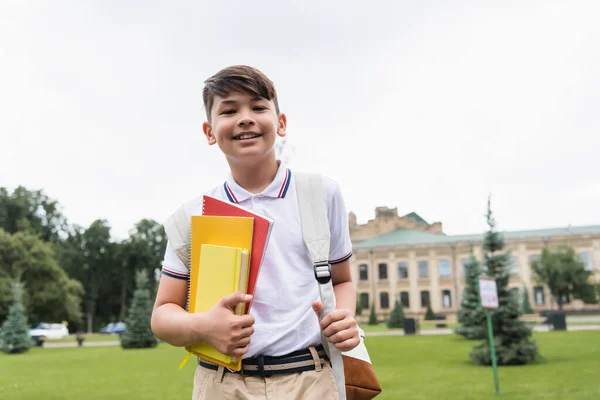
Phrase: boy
[282,332]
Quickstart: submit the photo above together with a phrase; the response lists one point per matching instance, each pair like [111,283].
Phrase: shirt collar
[277,189]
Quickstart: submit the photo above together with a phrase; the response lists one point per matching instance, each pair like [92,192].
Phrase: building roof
[408,237]
[416,217]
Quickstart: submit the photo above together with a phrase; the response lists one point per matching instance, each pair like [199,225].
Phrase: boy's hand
[339,327]
[230,333]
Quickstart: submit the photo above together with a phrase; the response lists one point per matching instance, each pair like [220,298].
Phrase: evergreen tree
[511,336]
[14,335]
[359,306]
[373,316]
[470,315]
[429,314]
[396,319]
[525,304]
[138,333]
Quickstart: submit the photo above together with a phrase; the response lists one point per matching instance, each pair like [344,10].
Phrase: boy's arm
[345,294]
[170,322]
[227,332]
[339,326]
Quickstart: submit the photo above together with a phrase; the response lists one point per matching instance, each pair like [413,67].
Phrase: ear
[208,132]
[281,125]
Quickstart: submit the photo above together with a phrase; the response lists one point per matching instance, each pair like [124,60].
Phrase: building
[405,258]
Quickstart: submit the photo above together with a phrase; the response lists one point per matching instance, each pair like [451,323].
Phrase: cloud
[427,106]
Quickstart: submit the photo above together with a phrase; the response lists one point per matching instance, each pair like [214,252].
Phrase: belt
[264,366]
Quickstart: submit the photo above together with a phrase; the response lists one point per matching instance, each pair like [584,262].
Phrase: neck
[255,177]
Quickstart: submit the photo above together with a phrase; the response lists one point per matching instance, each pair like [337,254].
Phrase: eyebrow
[255,98]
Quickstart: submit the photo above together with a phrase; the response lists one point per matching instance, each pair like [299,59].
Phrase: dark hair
[238,78]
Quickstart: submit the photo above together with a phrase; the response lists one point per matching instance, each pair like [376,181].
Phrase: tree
[511,336]
[429,314]
[372,316]
[470,315]
[563,273]
[138,333]
[396,319]
[31,211]
[14,335]
[144,249]
[48,293]
[88,255]
[525,304]
[359,306]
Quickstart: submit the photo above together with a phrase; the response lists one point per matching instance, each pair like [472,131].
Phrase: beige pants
[309,385]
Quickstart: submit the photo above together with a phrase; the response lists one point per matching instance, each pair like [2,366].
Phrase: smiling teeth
[246,136]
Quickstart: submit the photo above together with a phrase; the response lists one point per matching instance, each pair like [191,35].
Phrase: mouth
[246,136]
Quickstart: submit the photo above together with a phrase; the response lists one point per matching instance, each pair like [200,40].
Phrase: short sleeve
[172,266]
[340,247]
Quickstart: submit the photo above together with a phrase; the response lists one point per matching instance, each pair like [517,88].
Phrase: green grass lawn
[92,337]
[413,367]
[383,327]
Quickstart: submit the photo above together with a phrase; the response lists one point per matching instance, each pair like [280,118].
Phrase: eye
[227,112]
[260,108]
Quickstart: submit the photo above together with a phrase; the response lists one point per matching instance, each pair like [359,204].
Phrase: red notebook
[261,233]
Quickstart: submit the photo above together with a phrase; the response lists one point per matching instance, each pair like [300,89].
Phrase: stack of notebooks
[227,247]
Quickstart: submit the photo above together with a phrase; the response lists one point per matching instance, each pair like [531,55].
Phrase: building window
[423,269]
[384,300]
[405,299]
[383,271]
[464,262]
[446,299]
[364,272]
[586,259]
[424,298]
[538,295]
[514,266]
[533,258]
[402,270]
[364,300]
[514,292]
[445,271]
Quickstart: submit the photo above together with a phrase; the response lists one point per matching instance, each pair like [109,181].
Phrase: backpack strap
[315,230]
[177,228]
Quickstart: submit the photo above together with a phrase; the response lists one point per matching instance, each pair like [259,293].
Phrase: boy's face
[244,127]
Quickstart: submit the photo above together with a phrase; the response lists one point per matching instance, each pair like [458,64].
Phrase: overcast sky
[425,106]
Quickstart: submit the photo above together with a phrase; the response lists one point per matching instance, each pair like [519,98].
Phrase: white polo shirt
[286,287]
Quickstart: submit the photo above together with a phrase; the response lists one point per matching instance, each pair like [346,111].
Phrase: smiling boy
[280,340]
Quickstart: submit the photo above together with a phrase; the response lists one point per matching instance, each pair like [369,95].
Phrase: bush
[372,316]
[396,319]
[429,314]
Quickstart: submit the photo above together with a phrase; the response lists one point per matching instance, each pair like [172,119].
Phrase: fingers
[232,300]
[317,307]
[334,316]
[246,321]
[340,330]
[347,345]
[239,351]
[244,333]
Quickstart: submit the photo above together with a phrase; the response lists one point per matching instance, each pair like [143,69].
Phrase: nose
[245,119]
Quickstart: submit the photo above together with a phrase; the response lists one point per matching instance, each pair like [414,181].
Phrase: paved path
[584,318]
[85,344]
[447,331]
[396,332]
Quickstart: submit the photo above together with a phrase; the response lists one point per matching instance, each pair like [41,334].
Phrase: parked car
[46,331]
[114,327]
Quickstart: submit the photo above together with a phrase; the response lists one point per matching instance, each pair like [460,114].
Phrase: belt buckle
[261,367]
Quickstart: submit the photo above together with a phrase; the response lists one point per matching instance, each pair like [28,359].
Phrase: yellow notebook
[219,265]
[222,271]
